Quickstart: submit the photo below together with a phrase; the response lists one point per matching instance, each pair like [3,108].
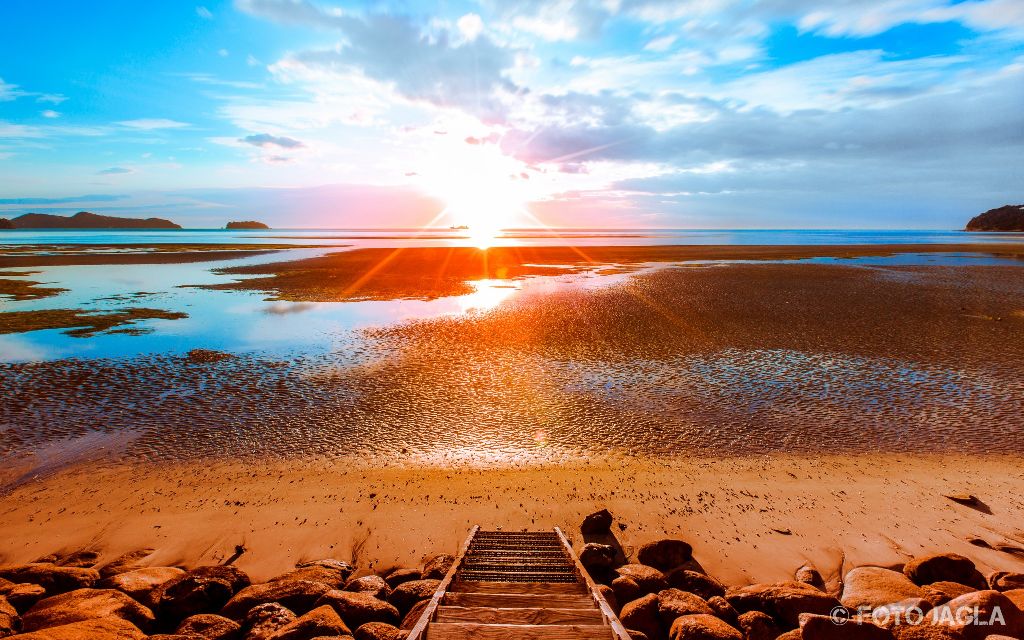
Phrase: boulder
[807,574]
[757,625]
[86,604]
[371,585]
[141,584]
[695,582]
[636,635]
[437,567]
[724,610]
[597,523]
[410,619]
[816,627]
[609,596]
[322,621]
[784,601]
[98,629]
[1006,580]
[868,587]
[597,557]
[942,592]
[946,567]
[378,631]
[125,562]
[642,615]
[673,603]
[201,590]
[398,576]
[407,594]
[356,608]
[209,626]
[978,614]
[925,632]
[903,613]
[333,573]
[55,579]
[21,596]
[647,578]
[664,554]
[626,589]
[10,621]
[298,596]
[791,635]
[702,627]
[1016,596]
[264,620]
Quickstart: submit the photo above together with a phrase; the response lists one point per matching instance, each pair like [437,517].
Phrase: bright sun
[482,189]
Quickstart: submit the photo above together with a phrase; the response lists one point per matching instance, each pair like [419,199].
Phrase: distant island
[6,224]
[1008,217]
[86,220]
[246,224]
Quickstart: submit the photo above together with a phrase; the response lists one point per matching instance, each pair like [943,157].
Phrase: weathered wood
[465,631]
[535,588]
[419,631]
[506,600]
[619,631]
[491,615]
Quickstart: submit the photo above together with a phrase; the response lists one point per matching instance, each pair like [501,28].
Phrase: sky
[600,113]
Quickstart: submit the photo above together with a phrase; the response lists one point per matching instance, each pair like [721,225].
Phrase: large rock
[398,576]
[647,578]
[371,585]
[86,604]
[407,594]
[597,523]
[201,590]
[125,562]
[209,626]
[784,601]
[938,593]
[1006,580]
[356,609]
[626,589]
[10,621]
[815,627]
[695,582]
[55,579]
[978,614]
[98,629]
[724,610]
[21,596]
[673,603]
[597,557]
[757,625]
[903,613]
[378,631]
[870,587]
[141,584]
[947,567]
[264,620]
[333,573]
[436,567]
[664,554]
[1009,217]
[642,615]
[297,595]
[702,627]
[609,596]
[322,621]
[410,619]
[808,574]
[1017,596]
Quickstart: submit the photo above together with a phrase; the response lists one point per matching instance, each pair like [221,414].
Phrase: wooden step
[511,600]
[495,615]
[536,588]
[466,631]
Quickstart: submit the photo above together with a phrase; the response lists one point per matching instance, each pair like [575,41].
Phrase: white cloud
[470,26]
[49,113]
[204,13]
[663,43]
[152,124]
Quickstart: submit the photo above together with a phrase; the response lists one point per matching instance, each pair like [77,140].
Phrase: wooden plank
[536,588]
[419,631]
[507,600]
[464,631]
[492,615]
[619,632]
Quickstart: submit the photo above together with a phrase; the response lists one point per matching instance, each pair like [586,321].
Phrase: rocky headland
[87,220]
[246,224]
[1008,217]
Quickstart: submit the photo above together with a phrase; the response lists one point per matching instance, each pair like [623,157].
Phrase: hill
[1008,217]
[87,220]
[246,224]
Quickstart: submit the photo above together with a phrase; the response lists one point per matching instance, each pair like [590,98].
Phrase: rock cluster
[70,597]
[665,595]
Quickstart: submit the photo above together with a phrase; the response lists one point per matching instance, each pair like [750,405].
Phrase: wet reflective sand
[709,360]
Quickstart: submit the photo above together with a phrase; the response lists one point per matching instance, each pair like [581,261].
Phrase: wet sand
[83,322]
[839,510]
[52,255]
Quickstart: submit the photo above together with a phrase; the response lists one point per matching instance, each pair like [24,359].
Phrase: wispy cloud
[49,113]
[267,140]
[95,197]
[113,171]
[204,13]
[152,124]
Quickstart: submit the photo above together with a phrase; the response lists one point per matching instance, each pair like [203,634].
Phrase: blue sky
[692,113]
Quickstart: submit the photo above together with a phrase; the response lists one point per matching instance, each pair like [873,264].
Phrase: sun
[482,189]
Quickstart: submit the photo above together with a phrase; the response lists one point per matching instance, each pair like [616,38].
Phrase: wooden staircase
[524,585]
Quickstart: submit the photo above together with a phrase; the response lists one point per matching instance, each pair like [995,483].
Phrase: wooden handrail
[420,629]
[606,610]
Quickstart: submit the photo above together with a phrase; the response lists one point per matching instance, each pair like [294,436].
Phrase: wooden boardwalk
[526,585]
